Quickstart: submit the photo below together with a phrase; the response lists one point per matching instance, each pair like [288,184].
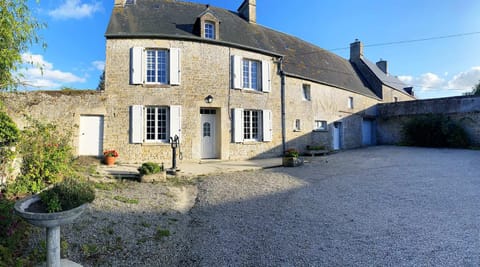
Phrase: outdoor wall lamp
[209,99]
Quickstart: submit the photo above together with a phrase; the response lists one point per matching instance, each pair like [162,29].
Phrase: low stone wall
[464,110]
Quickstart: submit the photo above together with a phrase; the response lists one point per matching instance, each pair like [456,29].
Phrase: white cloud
[41,73]
[99,65]
[465,80]
[75,9]
[432,85]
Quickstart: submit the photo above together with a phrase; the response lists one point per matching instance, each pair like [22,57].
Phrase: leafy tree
[101,83]
[18,30]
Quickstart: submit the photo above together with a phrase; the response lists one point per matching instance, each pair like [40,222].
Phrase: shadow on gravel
[375,206]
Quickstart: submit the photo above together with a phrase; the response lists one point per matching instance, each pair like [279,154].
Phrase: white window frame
[247,74]
[156,120]
[210,33]
[139,64]
[350,102]
[297,125]
[320,126]
[306,92]
[264,125]
[249,125]
[264,74]
[155,64]
[138,124]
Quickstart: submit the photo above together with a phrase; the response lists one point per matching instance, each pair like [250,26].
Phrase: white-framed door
[91,135]
[337,135]
[208,133]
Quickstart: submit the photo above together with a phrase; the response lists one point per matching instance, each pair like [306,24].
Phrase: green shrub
[434,131]
[68,194]
[47,158]
[150,168]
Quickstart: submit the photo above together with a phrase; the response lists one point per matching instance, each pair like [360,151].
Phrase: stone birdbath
[32,211]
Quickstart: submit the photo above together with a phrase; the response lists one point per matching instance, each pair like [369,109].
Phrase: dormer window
[209,30]
[207,25]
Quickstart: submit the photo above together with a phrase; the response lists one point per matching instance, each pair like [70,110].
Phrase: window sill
[320,131]
[250,91]
[156,144]
[156,85]
[297,131]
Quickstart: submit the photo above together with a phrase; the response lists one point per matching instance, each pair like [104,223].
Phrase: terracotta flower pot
[110,161]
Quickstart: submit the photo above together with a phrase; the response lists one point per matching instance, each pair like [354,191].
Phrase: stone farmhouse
[228,87]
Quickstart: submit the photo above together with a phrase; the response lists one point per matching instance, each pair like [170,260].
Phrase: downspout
[283,101]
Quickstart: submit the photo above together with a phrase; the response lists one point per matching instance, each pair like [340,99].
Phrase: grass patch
[161,233]
[145,224]
[126,200]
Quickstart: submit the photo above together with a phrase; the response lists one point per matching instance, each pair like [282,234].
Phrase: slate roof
[386,79]
[176,19]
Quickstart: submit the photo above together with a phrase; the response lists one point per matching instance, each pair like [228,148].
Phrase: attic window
[209,30]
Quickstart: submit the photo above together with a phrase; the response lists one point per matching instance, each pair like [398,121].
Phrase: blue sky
[438,67]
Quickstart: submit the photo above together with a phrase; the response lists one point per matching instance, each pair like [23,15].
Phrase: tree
[18,30]
[101,83]
[476,89]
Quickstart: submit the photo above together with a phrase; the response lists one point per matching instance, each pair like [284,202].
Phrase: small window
[306,92]
[210,30]
[350,102]
[251,74]
[395,99]
[206,129]
[156,124]
[320,125]
[129,2]
[297,126]
[157,66]
[252,125]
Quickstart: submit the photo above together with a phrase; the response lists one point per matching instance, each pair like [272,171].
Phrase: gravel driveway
[380,206]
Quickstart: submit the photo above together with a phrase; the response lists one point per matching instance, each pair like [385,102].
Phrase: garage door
[91,136]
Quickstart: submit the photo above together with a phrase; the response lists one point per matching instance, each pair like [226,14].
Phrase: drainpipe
[282,92]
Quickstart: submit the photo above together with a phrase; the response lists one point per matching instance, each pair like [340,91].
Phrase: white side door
[208,136]
[91,136]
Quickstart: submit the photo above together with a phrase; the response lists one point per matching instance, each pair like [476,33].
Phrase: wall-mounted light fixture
[209,99]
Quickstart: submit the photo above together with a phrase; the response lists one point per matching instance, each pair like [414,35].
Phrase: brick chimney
[356,50]
[248,11]
[382,64]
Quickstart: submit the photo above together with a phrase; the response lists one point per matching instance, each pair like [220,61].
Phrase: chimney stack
[248,11]
[356,50]
[119,3]
[382,64]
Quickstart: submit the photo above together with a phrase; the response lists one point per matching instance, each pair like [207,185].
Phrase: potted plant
[291,158]
[110,156]
[56,206]
[152,172]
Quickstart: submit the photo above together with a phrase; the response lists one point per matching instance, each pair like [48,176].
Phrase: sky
[432,45]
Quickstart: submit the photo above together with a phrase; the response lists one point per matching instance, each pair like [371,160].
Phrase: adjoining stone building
[228,87]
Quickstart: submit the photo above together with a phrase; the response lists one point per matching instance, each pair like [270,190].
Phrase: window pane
[150,124]
[246,74]
[209,30]
[151,66]
[255,124]
[246,125]
[206,129]
[254,73]
[162,66]
[162,124]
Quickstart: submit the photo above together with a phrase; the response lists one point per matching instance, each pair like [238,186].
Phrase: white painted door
[367,132]
[337,135]
[208,136]
[91,136]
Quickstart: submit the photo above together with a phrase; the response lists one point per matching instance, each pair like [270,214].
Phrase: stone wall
[63,108]
[465,110]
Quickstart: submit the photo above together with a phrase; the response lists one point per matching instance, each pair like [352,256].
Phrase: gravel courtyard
[378,206]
